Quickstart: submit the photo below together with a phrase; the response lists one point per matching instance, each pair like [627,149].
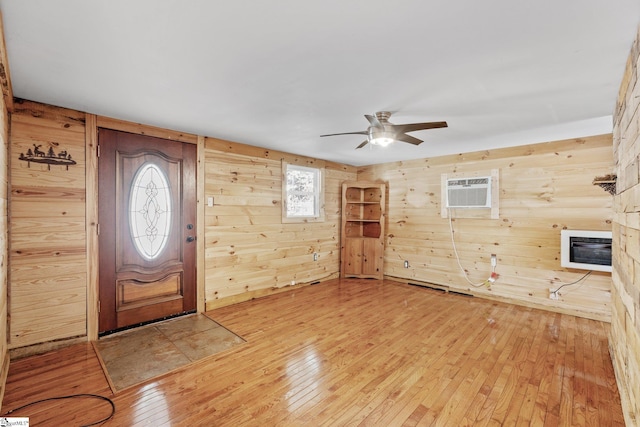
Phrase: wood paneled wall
[544,188]
[249,251]
[625,324]
[4,256]
[47,259]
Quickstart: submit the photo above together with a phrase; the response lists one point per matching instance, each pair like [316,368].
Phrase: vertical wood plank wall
[48,270]
[625,324]
[4,256]
[543,188]
[249,251]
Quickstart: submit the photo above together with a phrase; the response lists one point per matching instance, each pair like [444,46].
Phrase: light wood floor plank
[355,353]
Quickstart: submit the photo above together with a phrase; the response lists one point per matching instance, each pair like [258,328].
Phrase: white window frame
[318,194]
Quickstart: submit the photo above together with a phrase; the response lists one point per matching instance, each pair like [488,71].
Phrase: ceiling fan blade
[412,127]
[373,120]
[408,138]
[365,142]
[362,132]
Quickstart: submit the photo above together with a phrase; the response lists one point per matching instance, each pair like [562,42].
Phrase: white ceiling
[279,73]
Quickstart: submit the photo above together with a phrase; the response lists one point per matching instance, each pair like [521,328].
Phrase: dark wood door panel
[147,213]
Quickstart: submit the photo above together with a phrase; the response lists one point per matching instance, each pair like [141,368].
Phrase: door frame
[92,123]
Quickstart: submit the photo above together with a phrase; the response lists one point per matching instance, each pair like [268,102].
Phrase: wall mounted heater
[469,192]
[586,249]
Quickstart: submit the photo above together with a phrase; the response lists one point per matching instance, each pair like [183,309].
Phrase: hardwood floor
[355,352]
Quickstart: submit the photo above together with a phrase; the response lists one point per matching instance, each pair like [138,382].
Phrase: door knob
[190,239]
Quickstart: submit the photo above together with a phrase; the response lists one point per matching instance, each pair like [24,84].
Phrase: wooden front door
[147,216]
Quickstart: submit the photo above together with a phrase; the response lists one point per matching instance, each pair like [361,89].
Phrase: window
[302,193]
[150,211]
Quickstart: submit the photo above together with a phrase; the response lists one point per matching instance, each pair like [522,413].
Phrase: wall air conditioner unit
[469,192]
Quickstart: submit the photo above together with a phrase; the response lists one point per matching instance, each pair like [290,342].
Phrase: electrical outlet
[293,283]
[553,294]
[494,260]
[406,264]
[315,256]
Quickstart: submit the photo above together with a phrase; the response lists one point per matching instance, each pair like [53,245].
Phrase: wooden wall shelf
[607,183]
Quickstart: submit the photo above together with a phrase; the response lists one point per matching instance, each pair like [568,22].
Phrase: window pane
[300,205]
[302,191]
[150,211]
[300,181]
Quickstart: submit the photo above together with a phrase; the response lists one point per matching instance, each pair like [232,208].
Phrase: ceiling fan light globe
[380,137]
[382,141]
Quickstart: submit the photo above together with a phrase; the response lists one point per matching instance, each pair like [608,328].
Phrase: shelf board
[363,237]
[358,202]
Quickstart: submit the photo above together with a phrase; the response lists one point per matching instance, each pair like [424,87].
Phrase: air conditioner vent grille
[469,192]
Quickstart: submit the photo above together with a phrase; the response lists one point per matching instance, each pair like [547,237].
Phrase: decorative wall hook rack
[49,158]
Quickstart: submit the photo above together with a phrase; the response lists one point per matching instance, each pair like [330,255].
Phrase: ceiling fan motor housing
[383,116]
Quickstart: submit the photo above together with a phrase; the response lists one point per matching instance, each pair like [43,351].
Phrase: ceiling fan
[381,132]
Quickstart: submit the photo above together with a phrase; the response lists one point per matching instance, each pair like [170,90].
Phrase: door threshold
[149,322]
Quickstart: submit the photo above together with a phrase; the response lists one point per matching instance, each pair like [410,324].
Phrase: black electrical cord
[94,396]
[573,283]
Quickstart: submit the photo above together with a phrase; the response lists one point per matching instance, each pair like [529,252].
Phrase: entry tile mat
[140,354]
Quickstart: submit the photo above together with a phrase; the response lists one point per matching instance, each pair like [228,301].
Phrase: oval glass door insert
[150,211]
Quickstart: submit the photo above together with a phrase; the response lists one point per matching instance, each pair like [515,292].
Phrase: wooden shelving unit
[363,216]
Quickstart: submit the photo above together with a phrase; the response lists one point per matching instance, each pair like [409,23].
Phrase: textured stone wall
[625,323]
